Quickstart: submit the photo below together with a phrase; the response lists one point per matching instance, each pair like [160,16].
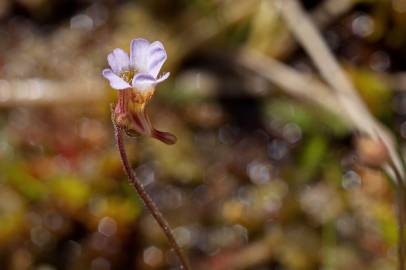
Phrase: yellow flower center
[136,99]
[127,75]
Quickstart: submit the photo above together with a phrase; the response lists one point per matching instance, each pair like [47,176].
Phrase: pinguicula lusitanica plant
[135,78]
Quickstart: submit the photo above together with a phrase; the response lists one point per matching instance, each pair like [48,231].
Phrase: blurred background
[259,179]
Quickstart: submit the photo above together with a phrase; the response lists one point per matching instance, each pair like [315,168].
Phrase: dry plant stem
[313,90]
[310,38]
[293,82]
[147,199]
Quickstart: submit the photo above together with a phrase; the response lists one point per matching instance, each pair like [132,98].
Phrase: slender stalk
[147,199]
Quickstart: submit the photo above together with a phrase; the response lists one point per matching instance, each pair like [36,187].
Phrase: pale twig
[310,38]
[305,31]
[38,91]
[149,203]
[293,82]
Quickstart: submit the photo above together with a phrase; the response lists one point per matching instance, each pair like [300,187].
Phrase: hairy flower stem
[400,198]
[147,199]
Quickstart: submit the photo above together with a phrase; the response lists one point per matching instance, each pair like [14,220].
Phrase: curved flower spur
[135,78]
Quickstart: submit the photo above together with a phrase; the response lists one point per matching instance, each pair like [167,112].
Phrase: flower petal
[118,60]
[139,54]
[115,81]
[156,58]
[143,81]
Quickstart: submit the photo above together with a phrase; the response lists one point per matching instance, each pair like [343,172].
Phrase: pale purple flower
[140,70]
[136,77]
